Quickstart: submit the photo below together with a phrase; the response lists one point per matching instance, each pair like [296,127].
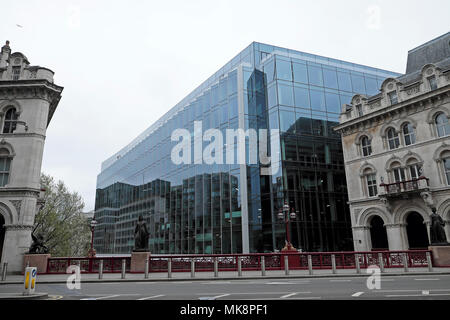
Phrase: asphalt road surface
[409,287]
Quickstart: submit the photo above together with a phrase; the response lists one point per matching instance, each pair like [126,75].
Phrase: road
[391,287]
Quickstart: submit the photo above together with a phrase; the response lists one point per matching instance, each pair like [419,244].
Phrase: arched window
[10,121]
[5,164]
[370,178]
[366,146]
[409,134]
[442,125]
[414,167]
[393,140]
[446,162]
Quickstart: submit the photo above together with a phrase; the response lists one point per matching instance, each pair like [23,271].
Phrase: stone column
[361,238]
[396,233]
[447,230]
[17,242]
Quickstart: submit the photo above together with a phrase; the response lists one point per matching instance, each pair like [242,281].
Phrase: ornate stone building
[397,153]
[28,100]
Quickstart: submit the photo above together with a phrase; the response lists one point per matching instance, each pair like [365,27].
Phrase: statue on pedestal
[437,232]
[38,247]
[141,236]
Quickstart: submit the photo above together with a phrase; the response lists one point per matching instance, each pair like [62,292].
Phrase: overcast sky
[123,64]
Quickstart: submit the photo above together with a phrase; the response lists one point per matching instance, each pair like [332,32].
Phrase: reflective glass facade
[232,208]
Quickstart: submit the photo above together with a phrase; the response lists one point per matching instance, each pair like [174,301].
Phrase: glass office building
[233,208]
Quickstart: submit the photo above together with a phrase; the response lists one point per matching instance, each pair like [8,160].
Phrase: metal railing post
[192,268]
[100,269]
[381,261]
[358,267]
[169,268]
[146,269]
[123,268]
[430,263]
[216,267]
[333,263]
[4,269]
[310,268]
[239,262]
[405,262]
[286,265]
[263,266]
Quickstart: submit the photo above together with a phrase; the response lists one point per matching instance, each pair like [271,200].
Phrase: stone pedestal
[36,260]
[138,261]
[441,255]
[293,260]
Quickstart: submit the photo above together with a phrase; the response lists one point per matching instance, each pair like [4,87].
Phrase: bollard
[263,266]
[430,263]
[146,269]
[28,264]
[169,268]
[381,261]
[216,267]
[405,262]
[192,268]
[239,267]
[29,280]
[123,268]
[358,267]
[310,265]
[333,263]
[286,265]
[100,269]
[5,268]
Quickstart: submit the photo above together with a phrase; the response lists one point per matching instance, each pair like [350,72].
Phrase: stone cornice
[19,192]
[18,227]
[389,112]
[22,135]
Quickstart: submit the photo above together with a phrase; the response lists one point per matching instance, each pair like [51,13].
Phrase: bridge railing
[249,262]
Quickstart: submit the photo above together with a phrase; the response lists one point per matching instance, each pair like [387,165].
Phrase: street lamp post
[286,217]
[92,251]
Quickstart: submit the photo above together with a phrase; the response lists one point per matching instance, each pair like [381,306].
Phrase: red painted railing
[249,262]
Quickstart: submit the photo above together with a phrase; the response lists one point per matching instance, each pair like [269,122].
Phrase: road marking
[217,282]
[416,295]
[105,297]
[357,294]
[280,283]
[288,295]
[341,280]
[152,297]
[214,298]
[425,292]
[426,279]
[54,297]
[416,290]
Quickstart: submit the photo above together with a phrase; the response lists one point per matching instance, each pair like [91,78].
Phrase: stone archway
[378,234]
[416,231]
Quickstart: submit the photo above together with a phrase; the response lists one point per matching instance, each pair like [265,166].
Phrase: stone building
[28,100]
[397,153]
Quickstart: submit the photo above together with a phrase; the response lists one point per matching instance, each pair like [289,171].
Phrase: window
[446,162]
[393,140]
[10,121]
[393,97]
[366,146]
[5,164]
[284,70]
[399,174]
[415,171]
[442,125]
[372,185]
[432,82]
[16,73]
[315,75]
[408,134]
[359,110]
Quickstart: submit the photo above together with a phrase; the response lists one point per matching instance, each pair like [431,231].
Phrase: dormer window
[16,73]
[393,97]
[10,121]
[432,82]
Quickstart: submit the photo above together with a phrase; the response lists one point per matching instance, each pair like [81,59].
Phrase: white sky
[123,64]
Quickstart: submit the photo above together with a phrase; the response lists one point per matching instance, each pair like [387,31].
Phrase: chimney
[4,55]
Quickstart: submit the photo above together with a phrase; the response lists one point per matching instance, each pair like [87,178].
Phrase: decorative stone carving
[17,204]
[427,198]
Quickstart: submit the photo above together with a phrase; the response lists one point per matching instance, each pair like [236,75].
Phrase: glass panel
[268,69]
[284,70]
[300,73]
[285,95]
[358,84]
[301,96]
[330,78]
[287,120]
[317,100]
[333,102]
[344,81]
[315,75]
[272,96]
[371,86]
